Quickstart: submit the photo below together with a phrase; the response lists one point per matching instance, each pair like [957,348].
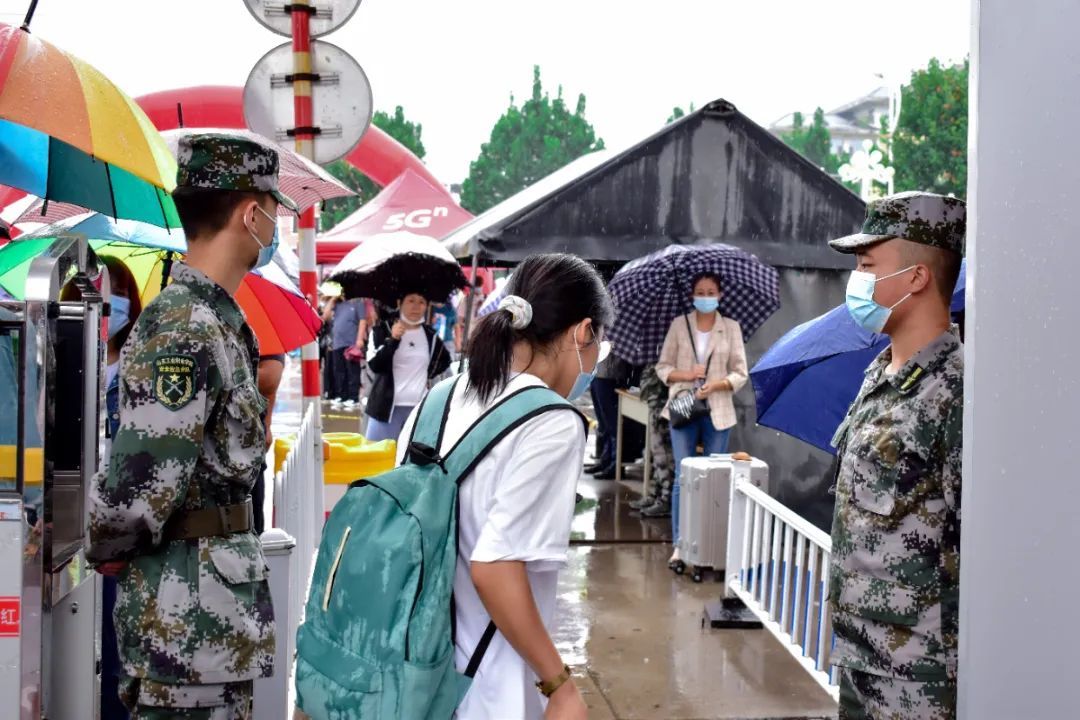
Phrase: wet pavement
[630,628]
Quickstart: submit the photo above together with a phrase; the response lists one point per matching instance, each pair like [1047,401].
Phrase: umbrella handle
[166,269]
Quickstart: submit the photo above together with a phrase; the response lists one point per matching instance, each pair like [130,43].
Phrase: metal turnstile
[51,352]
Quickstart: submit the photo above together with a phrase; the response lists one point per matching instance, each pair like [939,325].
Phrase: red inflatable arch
[379,156]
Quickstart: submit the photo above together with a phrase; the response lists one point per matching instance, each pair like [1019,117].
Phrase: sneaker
[658,509]
[642,503]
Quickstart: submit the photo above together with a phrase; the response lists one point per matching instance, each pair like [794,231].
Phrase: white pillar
[1019,577]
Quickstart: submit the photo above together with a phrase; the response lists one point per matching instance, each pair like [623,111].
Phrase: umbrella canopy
[275,308]
[410,203]
[652,291]
[805,383]
[389,266]
[68,134]
[100,227]
[299,178]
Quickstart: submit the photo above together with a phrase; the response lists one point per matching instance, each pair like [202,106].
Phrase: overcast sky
[453,64]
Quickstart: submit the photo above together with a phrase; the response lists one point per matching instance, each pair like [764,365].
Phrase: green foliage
[526,144]
[396,126]
[815,142]
[677,113]
[930,146]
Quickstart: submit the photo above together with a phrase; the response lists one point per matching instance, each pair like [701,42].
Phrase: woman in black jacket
[404,357]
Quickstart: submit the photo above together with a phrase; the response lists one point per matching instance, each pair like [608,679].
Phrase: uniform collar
[210,292]
[924,363]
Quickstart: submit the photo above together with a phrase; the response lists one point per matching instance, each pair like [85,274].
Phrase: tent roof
[711,176]
[410,203]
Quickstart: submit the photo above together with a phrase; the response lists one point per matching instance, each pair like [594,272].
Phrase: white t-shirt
[702,343]
[410,368]
[517,505]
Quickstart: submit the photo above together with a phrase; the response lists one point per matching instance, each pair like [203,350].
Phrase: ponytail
[561,290]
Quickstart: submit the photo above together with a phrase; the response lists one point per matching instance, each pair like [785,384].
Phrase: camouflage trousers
[663,462]
[864,696]
[149,700]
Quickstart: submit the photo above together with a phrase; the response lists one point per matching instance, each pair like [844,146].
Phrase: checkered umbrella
[653,290]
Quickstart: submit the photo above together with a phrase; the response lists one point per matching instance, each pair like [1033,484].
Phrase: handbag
[686,407]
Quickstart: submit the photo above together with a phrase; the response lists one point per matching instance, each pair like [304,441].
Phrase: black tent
[712,176]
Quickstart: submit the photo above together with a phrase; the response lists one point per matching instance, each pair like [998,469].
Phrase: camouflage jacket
[895,575]
[188,611]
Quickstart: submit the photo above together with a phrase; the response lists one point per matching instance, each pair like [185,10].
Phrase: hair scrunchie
[521,312]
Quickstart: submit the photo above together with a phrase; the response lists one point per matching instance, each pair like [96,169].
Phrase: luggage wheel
[678,566]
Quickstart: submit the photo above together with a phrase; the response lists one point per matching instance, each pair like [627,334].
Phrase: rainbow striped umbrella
[68,134]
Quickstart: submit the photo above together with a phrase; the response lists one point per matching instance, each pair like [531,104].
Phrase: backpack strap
[499,421]
[431,419]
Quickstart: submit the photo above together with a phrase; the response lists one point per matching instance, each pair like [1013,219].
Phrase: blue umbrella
[98,226]
[808,379]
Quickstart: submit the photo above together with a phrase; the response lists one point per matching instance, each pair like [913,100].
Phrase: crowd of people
[173,523]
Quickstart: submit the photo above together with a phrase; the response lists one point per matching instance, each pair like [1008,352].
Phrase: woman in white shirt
[516,508]
[403,357]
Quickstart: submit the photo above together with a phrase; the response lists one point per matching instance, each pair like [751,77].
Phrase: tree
[527,143]
[396,126]
[815,142]
[677,113]
[930,143]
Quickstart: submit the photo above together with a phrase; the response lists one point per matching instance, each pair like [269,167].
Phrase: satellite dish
[327,15]
[340,96]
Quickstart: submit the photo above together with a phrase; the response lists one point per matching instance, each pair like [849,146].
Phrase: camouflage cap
[217,161]
[921,217]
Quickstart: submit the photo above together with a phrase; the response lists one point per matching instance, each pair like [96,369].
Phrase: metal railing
[778,565]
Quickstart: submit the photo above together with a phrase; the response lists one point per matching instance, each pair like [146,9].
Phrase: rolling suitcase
[703,511]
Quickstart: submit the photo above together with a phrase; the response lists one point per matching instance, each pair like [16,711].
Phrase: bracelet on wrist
[548,688]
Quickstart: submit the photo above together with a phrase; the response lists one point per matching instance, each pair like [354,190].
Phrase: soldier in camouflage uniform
[895,575]
[655,394]
[172,516]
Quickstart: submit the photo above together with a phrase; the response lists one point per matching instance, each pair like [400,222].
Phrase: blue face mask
[860,300]
[584,379]
[119,314]
[266,252]
[706,304]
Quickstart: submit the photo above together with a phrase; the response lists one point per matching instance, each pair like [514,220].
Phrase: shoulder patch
[174,380]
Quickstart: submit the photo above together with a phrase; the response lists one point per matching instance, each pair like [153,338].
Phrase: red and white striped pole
[303,121]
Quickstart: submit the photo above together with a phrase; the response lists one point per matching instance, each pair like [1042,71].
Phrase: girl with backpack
[516,506]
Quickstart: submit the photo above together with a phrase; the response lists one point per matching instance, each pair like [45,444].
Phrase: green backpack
[377,638]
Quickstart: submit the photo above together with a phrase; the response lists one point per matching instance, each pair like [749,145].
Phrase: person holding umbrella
[404,357]
[703,359]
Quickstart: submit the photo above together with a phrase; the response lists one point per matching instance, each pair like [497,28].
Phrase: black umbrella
[390,266]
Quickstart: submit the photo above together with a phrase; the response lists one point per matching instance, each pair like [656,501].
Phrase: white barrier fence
[298,503]
[778,565]
[290,548]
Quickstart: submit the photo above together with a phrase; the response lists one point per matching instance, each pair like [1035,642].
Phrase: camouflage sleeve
[953,441]
[169,384]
